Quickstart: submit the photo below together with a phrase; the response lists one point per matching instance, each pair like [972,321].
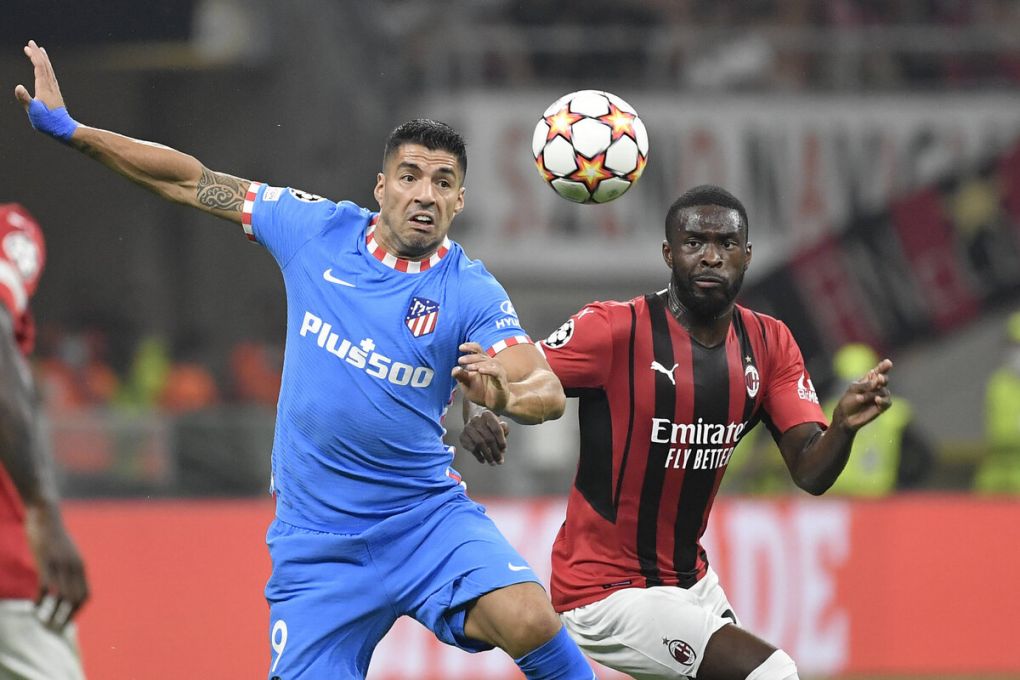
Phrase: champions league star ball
[590,146]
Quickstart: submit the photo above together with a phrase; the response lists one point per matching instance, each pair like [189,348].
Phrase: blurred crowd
[79,371]
[747,44]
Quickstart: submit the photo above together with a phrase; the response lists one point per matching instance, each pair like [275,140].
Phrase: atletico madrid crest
[422,316]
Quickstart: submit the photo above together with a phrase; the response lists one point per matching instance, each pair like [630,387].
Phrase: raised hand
[46,88]
[865,399]
[46,110]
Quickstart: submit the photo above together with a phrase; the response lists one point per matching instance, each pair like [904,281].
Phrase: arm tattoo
[221,192]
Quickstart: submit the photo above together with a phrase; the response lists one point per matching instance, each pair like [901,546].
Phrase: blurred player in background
[890,456]
[668,383]
[386,316]
[999,470]
[42,579]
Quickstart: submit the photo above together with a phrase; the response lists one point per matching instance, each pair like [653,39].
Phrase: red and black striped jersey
[659,417]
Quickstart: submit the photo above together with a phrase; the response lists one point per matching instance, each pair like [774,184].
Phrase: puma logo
[656,366]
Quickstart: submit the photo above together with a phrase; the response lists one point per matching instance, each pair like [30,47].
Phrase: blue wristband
[56,123]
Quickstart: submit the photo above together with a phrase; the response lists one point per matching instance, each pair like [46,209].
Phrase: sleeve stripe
[509,342]
[10,278]
[249,204]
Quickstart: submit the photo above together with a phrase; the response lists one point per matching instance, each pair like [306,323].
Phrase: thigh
[31,651]
[446,562]
[732,652]
[328,605]
[649,633]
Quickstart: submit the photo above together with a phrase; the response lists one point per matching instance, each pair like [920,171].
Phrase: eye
[407,177]
[445,183]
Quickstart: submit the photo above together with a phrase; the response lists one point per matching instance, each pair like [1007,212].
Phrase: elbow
[557,405]
[815,487]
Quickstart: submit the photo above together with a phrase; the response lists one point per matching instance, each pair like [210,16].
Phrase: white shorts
[652,633]
[31,651]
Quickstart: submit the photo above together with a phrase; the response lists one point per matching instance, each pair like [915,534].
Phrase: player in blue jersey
[386,316]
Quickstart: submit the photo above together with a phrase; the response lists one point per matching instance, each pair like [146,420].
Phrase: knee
[779,666]
[517,619]
[536,625]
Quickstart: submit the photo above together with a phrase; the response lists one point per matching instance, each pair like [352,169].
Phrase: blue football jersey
[371,343]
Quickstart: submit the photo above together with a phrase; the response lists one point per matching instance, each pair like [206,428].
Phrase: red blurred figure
[42,578]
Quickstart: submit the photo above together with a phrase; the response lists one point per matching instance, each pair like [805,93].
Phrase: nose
[710,256]
[426,193]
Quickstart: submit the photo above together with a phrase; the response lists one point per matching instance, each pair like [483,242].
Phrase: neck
[383,237]
[708,330]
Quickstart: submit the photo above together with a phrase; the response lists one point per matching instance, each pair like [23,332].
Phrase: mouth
[422,221]
[707,282]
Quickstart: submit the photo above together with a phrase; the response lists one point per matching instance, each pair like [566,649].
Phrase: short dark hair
[432,134]
[705,194]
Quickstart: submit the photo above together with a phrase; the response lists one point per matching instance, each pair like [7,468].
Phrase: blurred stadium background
[875,144]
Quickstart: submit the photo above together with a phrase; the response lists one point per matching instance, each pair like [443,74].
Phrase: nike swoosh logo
[514,567]
[328,275]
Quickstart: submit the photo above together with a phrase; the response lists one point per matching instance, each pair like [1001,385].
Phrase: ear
[379,191]
[460,202]
[667,254]
[747,260]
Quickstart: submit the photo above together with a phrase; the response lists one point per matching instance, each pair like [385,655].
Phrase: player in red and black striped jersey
[667,384]
[39,564]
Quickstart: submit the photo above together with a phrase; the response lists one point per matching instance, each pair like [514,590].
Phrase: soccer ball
[590,146]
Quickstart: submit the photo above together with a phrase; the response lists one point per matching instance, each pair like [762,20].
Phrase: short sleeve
[491,319]
[580,351]
[790,397]
[284,219]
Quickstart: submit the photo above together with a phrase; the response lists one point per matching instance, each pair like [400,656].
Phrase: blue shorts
[332,597]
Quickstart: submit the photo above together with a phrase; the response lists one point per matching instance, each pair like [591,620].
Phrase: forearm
[822,459]
[536,399]
[169,173]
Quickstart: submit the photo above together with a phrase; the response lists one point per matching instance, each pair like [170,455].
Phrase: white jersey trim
[509,342]
[246,209]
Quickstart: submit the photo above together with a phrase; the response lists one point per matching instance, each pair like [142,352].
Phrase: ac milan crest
[422,316]
[751,380]
[680,651]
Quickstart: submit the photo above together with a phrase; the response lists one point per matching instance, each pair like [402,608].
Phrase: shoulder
[611,309]
[465,265]
[347,213]
[769,328]
[306,203]
[593,323]
[469,274]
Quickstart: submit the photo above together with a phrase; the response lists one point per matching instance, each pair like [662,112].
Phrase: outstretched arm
[816,457]
[169,173]
[27,462]
[516,383]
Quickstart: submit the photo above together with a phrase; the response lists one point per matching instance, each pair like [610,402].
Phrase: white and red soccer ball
[590,146]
